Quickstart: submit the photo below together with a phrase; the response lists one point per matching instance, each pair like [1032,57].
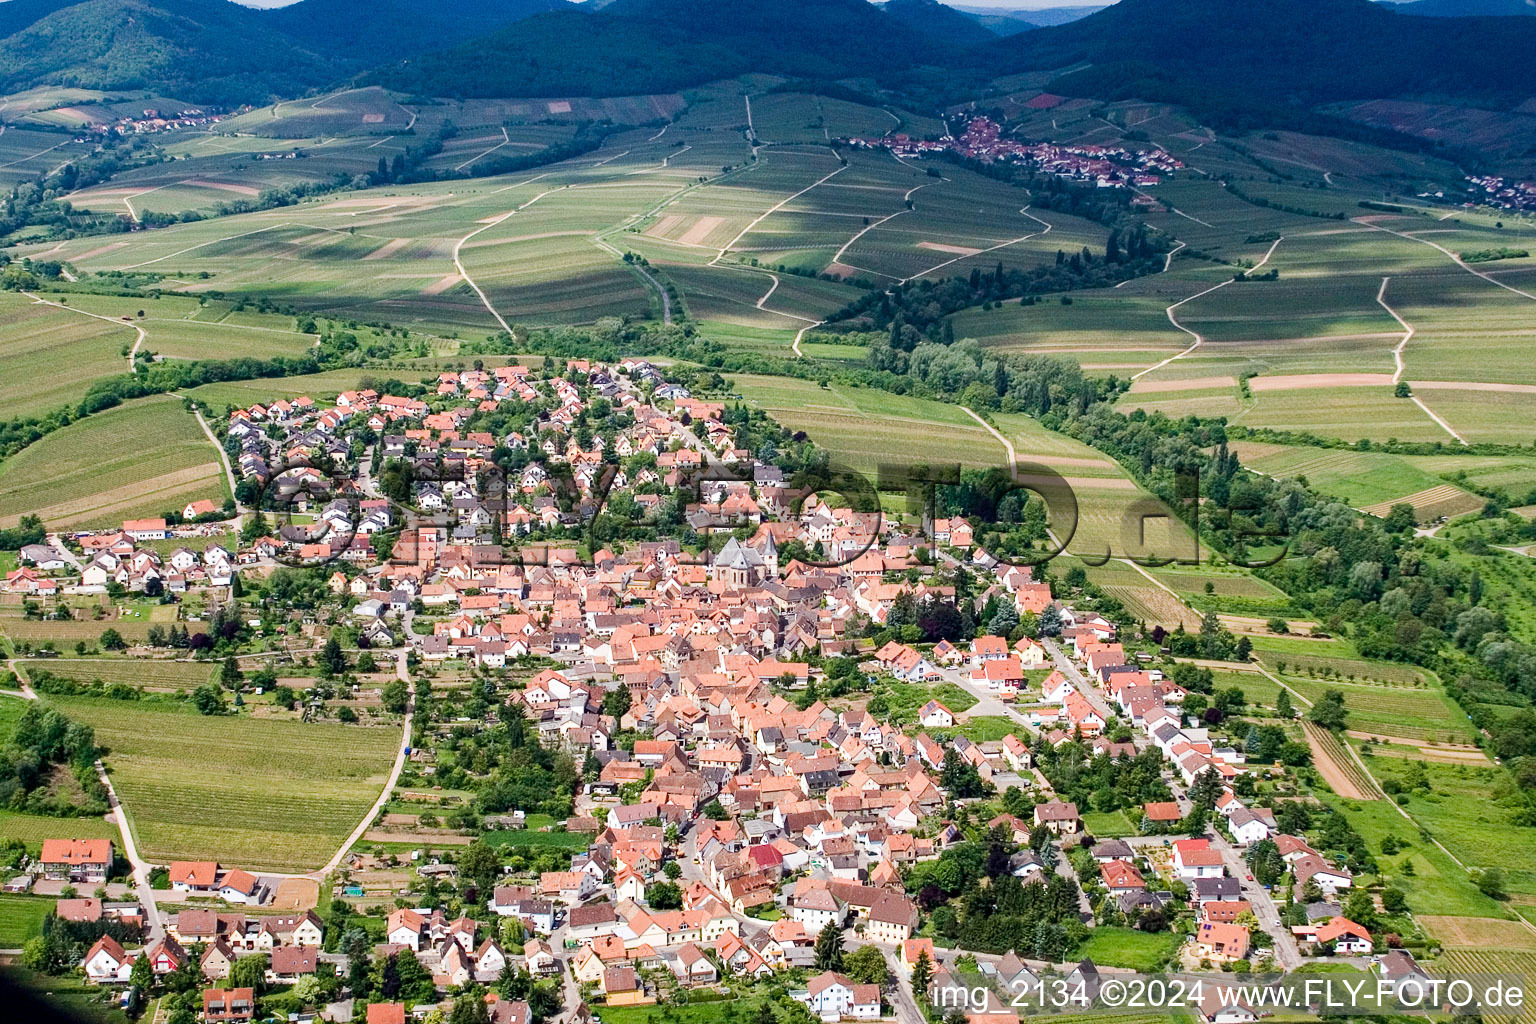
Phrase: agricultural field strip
[1174,320]
[490,223]
[1397,358]
[97,316]
[992,248]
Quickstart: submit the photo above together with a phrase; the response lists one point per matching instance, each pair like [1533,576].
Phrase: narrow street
[1286,953]
[142,890]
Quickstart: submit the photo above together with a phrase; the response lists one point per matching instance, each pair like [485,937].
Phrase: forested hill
[634,46]
[1466,8]
[364,34]
[203,50]
[1301,52]
[215,51]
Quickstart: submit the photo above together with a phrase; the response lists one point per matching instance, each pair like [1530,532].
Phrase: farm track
[1344,775]
[97,316]
[1199,338]
[1397,357]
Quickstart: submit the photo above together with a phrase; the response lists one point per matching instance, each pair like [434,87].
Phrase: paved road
[141,885]
[1085,686]
[1286,953]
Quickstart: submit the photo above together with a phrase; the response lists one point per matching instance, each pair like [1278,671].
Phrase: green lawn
[1127,947]
[1109,824]
[32,829]
[21,918]
[986,728]
[76,1001]
[725,1011]
[525,837]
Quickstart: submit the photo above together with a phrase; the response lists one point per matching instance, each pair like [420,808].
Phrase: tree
[208,700]
[480,865]
[112,640]
[616,702]
[866,965]
[366,662]
[829,948]
[356,944]
[469,1008]
[142,974]
[1490,882]
[332,660]
[230,675]
[1206,789]
[395,696]
[1050,621]
[1283,708]
[249,972]
[1329,712]
[922,974]
[663,896]
[715,811]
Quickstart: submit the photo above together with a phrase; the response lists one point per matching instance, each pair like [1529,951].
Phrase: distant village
[1105,166]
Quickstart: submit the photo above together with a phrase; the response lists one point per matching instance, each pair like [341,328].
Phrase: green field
[1127,947]
[278,795]
[863,427]
[152,675]
[51,354]
[21,918]
[138,459]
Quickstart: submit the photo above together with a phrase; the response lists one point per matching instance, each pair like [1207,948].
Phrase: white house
[833,996]
[935,715]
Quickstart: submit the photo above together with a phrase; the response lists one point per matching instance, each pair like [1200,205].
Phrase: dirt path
[1397,353]
[389,784]
[1338,777]
[1367,222]
[991,248]
[490,223]
[97,316]
[229,470]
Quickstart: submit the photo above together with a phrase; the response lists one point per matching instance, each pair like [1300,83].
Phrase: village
[745,810]
[1108,166]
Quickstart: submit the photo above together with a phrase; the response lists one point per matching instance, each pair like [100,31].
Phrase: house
[194,876]
[892,919]
[385,1013]
[1195,858]
[1409,981]
[1249,826]
[290,963]
[833,996]
[911,949]
[238,886]
[1162,813]
[405,927]
[935,715]
[145,529]
[692,967]
[620,987]
[1221,1004]
[77,860]
[1222,942]
[228,1005]
[1061,818]
[1311,867]
[1121,878]
[1342,935]
[106,962]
